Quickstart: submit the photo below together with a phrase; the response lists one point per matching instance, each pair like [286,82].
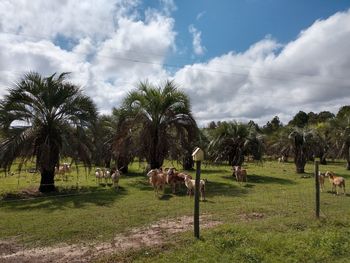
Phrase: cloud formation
[198,49]
[111,45]
[113,48]
[200,15]
[309,73]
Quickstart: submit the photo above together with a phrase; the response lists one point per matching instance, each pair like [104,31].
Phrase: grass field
[269,219]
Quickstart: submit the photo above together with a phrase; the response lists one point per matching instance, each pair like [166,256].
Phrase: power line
[167,65]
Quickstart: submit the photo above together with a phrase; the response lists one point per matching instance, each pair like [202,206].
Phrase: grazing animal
[175,178]
[157,179]
[107,176]
[190,184]
[62,170]
[240,174]
[321,177]
[336,181]
[99,175]
[281,159]
[115,178]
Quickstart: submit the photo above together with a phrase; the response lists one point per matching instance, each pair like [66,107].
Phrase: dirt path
[137,238]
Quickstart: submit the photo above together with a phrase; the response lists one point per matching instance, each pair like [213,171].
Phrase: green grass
[286,231]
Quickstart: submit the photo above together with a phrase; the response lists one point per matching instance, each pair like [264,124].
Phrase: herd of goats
[158,178]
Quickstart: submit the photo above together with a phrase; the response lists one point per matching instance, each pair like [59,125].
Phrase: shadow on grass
[65,198]
[133,175]
[213,171]
[224,189]
[340,193]
[165,197]
[260,179]
[263,179]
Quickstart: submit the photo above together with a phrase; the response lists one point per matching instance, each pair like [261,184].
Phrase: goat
[336,181]
[190,184]
[174,178]
[321,177]
[240,174]
[106,175]
[99,175]
[62,170]
[281,159]
[115,178]
[157,179]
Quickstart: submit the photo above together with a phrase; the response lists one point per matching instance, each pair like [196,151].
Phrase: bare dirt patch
[137,238]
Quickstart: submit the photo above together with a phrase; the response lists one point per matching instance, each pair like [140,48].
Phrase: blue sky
[237,60]
[228,25]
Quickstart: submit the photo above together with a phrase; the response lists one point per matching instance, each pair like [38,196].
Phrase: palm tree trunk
[154,161]
[300,161]
[300,169]
[188,163]
[122,164]
[348,159]
[47,182]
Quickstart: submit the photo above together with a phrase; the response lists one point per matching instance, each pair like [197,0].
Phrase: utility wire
[196,64]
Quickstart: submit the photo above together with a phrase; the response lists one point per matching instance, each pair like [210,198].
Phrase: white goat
[99,175]
[115,178]
[191,183]
[281,159]
[63,170]
[107,175]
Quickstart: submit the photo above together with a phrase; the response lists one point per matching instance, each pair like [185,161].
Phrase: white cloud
[196,42]
[168,6]
[115,46]
[200,15]
[74,19]
[309,73]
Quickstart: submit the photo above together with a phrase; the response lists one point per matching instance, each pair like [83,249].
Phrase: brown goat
[321,178]
[336,181]
[157,179]
[241,174]
[175,178]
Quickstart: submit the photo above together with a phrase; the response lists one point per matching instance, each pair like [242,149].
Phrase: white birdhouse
[198,154]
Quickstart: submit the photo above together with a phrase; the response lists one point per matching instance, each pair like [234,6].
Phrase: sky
[237,60]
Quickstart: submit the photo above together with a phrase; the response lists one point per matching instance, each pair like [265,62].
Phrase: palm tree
[341,136]
[161,117]
[322,135]
[302,142]
[124,147]
[102,134]
[46,118]
[231,141]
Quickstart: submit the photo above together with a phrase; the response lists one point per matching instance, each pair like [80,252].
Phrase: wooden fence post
[317,185]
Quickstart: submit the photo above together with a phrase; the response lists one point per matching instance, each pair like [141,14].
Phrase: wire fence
[279,201]
[287,197]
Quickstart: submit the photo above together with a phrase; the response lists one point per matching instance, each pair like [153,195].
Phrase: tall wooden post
[317,185]
[196,199]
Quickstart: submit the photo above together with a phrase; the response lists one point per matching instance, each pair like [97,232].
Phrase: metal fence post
[317,185]
[196,199]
